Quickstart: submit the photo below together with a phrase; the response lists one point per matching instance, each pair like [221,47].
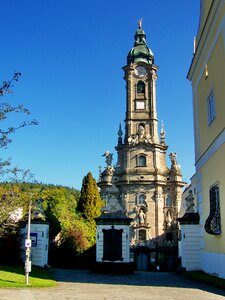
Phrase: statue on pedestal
[189,201]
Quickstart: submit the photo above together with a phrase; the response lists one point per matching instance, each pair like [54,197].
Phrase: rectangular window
[211,108]
[112,245]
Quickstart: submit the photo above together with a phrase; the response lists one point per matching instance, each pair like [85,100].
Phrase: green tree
[11,199]
[14,197]
[90,202]
[89,205]
[60,207]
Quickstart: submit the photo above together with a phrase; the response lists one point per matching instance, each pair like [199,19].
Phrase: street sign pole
[28,247]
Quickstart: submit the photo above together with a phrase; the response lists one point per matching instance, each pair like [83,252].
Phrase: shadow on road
[155,279]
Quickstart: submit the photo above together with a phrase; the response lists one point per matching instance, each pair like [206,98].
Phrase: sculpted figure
[169,218]
[173,158]
[140,23]
[141,216]
[141,131]
[141,136]
[189,200]
[147,138]
[108,158]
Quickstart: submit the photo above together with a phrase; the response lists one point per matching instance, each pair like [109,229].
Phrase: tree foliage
[68,232]
[71,232]
[7,171]
[90,202]
[72,225]
[11,200]
[11,197]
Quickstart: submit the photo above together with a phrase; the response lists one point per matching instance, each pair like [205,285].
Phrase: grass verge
[14,277]
[209,279]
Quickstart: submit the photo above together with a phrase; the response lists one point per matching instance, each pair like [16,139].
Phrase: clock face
[140,71]
[140,105]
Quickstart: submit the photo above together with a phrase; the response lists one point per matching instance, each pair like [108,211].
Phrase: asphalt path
[83,284]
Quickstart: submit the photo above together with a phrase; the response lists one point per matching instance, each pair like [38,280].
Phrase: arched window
[168,201]
[141,199]
[141,161]
[141,87]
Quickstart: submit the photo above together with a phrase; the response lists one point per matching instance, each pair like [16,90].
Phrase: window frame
[143,200]
[140,156]
[211,107]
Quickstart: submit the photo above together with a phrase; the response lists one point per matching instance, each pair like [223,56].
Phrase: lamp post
[28,246]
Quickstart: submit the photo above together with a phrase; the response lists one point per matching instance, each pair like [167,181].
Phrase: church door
[142,261]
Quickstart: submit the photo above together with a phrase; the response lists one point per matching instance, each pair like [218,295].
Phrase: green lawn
[14,277]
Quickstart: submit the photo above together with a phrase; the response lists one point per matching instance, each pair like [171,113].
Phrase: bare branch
[6,85]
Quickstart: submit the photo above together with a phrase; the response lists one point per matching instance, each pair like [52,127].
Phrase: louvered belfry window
[140,87]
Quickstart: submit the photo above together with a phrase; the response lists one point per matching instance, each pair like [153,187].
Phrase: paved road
[75,284]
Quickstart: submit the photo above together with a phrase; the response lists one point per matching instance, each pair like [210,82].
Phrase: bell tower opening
[140,87]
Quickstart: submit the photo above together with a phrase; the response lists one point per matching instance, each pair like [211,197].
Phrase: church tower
[141,184]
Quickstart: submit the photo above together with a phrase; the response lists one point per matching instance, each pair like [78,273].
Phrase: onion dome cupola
[140,52]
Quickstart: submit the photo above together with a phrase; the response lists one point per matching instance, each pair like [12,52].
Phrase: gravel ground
[83,284]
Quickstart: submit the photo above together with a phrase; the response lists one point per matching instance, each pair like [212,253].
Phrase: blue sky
[71,54]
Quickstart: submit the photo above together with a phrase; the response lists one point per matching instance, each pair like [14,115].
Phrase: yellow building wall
[214,172]
[214,81]
[210,163]
[209,35]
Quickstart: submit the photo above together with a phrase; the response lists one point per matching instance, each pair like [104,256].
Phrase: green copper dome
[140,52]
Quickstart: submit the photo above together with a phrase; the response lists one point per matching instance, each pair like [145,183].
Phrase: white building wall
[125,242]
[190,247]
[39,249]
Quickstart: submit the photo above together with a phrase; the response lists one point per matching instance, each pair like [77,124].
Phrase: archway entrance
[158,259]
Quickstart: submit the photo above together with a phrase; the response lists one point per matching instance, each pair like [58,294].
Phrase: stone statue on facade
[174,165]
[169,218]
[173,158]
[108,158]
[107,174]
[189,201]
[141,217]
[162,134]
[141,137]
[141,131]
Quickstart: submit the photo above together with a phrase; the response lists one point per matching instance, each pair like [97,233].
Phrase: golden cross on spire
[140,23]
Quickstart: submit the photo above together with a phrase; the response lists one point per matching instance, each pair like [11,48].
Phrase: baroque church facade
[141,185]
